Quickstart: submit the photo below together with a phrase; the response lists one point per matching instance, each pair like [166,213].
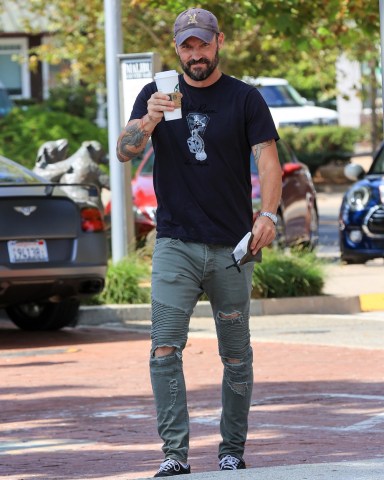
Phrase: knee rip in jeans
[161,351]
[234,317]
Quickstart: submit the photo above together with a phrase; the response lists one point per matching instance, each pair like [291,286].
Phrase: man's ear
[220,39]
[174,44]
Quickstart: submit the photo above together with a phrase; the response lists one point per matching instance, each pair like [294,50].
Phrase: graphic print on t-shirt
[197,123]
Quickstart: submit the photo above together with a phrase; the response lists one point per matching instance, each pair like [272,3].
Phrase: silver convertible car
[53,248]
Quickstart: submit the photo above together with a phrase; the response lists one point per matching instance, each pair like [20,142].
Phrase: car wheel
[280,240]
[352,260]
[37,316]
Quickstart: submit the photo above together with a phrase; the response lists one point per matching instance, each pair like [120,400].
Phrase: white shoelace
[168,464]
[229,463]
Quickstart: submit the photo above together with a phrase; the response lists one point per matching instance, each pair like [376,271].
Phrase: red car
[298,221]
[144,198]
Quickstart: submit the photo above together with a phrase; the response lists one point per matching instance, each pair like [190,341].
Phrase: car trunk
[55,223]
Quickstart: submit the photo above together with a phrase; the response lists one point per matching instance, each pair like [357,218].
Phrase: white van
[5,101]
[288,107]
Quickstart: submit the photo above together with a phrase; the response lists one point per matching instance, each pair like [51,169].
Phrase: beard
[201,73]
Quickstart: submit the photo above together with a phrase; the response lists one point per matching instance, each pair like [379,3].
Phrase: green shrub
[75,100]
[124,283]
[316,146]
[22,132]
[279,275]
[299,274]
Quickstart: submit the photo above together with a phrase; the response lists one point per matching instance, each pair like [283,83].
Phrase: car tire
[37,316]
[352,260]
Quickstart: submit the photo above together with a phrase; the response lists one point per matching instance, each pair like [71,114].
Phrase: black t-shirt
[202,161]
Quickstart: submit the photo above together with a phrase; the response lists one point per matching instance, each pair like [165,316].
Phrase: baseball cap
[195,22]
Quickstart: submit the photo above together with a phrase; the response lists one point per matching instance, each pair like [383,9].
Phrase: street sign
[137,69]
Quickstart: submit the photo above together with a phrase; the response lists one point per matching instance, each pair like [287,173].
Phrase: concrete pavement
[360,470]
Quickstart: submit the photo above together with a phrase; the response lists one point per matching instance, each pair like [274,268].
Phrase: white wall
[349,104]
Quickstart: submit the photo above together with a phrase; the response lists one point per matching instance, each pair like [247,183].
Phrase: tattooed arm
[267,162]
[134,137]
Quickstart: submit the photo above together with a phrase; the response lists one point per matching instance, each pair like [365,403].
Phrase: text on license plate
[23,252]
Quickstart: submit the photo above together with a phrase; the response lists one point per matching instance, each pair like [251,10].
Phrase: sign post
[137,69]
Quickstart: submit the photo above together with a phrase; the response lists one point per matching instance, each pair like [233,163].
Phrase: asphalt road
[329,205]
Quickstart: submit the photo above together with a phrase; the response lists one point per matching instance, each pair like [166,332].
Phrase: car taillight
[92,220]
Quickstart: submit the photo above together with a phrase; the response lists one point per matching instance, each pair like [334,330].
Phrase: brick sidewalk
[78,404]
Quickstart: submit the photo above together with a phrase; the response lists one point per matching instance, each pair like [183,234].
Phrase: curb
[95,315]
[371,302]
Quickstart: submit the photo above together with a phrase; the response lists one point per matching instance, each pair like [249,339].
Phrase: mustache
[195,62]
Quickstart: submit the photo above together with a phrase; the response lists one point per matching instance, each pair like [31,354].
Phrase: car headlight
[358,197]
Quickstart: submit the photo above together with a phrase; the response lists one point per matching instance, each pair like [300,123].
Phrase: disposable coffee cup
[168,83]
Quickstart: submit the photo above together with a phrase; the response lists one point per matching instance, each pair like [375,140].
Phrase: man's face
[198,59]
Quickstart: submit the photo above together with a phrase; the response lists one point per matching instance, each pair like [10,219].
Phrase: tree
[296,39]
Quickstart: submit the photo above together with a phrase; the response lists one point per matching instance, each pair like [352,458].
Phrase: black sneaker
[171,467]
[231,463]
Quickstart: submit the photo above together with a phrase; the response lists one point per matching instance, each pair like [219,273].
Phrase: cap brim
[205,35]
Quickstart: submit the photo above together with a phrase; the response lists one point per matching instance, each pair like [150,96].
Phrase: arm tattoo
[133,136]
[256,150]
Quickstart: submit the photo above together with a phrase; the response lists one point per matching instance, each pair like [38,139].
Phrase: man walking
[203,189]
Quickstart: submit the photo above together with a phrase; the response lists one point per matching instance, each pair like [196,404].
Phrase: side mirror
[291,167]
[354,171]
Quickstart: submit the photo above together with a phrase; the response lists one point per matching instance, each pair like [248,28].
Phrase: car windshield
[378,165]
[281,96]
[12,173]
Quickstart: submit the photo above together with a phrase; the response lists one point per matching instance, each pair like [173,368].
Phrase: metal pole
[381,6]
[121,191]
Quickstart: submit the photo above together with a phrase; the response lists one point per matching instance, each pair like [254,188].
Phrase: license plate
[27,252]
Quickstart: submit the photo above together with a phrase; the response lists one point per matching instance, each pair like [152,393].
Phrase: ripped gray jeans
[181,272]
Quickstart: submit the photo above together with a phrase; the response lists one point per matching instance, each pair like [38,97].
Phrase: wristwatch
[270,215]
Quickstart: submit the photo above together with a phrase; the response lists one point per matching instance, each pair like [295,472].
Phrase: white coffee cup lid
[167,73]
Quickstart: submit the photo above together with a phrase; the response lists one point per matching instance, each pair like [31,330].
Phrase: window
[13,74]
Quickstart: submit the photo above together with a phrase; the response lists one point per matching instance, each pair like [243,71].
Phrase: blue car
[361,218]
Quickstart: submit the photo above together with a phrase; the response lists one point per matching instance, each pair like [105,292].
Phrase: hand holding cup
[168,83]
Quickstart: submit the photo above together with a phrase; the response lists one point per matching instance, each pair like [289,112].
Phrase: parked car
[361,217]
[144,198]
[288,107]
[53,249]
[297,215]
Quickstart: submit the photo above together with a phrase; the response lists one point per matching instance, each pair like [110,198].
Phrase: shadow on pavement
[13,338]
